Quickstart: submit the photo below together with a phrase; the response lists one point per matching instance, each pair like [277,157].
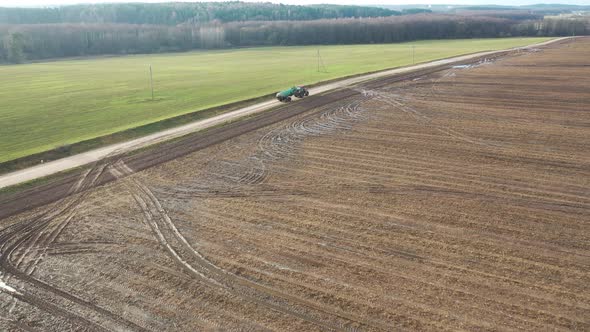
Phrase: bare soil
[455,199]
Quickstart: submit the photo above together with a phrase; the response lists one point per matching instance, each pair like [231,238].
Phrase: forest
[177,13]
[90,30]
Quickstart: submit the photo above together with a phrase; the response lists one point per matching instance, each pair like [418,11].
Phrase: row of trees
[356,31]
[553,27]
[19,43]
[33,42]
[177,13]
[513,14]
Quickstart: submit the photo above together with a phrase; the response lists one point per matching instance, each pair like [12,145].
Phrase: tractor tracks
[193,262]
[25,244]
[214,276]
[245,177]
[283,141]
[276,144]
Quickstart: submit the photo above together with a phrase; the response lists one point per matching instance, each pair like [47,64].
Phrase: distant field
[46,105]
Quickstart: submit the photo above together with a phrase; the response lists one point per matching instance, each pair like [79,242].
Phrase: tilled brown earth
[454,201]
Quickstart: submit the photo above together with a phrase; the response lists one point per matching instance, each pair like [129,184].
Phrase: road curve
[60,165]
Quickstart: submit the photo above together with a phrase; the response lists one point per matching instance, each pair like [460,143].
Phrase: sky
[28,3]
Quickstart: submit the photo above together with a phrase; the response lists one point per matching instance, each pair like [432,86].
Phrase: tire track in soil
[55,310]
[205,271]
[33,229]
[278,143]
[20,239]
[271,148]
[19,326]
[38,236]
[48,241]
[65,211]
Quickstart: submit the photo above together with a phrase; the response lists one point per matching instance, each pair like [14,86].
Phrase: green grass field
[47,105]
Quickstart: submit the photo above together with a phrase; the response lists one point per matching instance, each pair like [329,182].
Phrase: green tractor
[297,91]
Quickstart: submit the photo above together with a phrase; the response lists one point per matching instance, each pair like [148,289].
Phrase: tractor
[297,91]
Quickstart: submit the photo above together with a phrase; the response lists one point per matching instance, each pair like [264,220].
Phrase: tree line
[177,13]
[19,43]
[365,31]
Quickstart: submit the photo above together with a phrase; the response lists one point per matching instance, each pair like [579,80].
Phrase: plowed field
[456,200]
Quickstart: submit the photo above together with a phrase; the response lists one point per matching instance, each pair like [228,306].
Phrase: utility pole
[152,81]
[318,60]
[321,63]
[573,36]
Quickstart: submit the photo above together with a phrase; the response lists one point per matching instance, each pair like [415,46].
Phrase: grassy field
[47,105]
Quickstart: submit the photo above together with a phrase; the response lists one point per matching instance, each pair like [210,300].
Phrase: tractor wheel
[288,99]
[306,93]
